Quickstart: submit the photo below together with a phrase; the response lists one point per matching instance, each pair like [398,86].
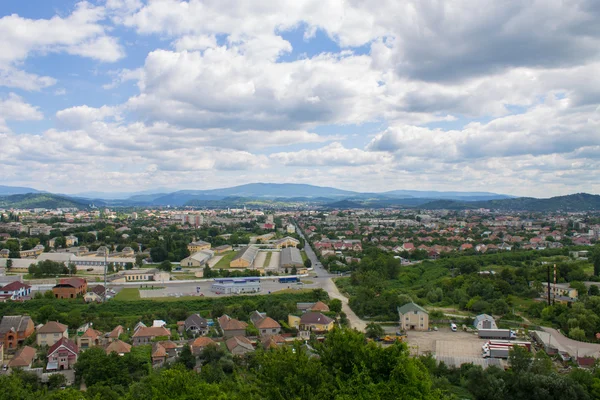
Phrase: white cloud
[334,154]
[80,33]
[81,116]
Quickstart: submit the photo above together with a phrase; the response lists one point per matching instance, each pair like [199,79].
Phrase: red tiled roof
[267,323]
[53,327]
[152,331]
[66,343]
[14,286]
[229,324]
[118,346]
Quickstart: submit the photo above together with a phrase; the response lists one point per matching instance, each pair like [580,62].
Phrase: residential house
[145,335]
[51,333]
[119,347]
[311,321]
[114,334]
[266,325]
[195,325]
[272,341]
[70,288]
[159,355]
[239,345]
[16,290]
[319,306]
[413,317]
[15,329]
[23,358]
[484,321]
[62,355]
[90,338]
[232,327]
[90,297]
[200,343]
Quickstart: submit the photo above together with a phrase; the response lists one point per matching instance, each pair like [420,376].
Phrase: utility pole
[105,270]
[548,283]
[554,299]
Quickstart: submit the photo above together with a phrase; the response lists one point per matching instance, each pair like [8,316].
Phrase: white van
[453,327]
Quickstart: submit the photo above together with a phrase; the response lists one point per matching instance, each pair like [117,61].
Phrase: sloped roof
[158,350]
[65,343]
[75,282]
[236,341]
[53,327]
[229,324]
[167,344]
[116,332]
[13,286]
[202,341]
[17,323]
[319,306]
[195,320]
[411,307]
[152,331]
[91,333]
[247,253]
[267,323]
[23,357]
[315,318]
[118,346]
[290,256]
[272,341]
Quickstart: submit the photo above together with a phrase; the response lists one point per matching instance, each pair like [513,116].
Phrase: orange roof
[118,346]
[116,332]
[229,324]
[23,357]
[158,350]
[53,327]
[320,306]
[167,344]
[202,342]
[267,323]
[152,331]
[92,333]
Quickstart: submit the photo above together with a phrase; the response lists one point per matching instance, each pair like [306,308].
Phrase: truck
[505,343]
[497,352]
[497,334]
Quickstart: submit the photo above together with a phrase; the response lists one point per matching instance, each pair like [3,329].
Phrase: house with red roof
[15,291]
[62,355]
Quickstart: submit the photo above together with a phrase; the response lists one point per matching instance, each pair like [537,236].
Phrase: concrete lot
[275,260]
[260,259]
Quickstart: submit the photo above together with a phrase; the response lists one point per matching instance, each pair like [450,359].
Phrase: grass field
[152,288]
[304,256]
[267,259]
[224,262]
[128,294]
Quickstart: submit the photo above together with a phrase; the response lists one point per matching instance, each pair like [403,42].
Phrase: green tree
[596,260]
[307,263]
[335,305]
[519,359]
[577,334]
[165,266]
[374,330]
[9,264]
[187,358]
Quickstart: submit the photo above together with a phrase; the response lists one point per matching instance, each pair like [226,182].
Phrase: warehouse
[244,258]
[290,257]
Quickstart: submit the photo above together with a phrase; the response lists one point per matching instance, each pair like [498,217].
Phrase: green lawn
[304,256]
[224,262]
[267,259]
[152,287]
[128,294]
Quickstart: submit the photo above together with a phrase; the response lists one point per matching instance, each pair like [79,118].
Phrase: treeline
[345,366]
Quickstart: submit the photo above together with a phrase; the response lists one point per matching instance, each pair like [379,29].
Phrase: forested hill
[39,200]
[573,202]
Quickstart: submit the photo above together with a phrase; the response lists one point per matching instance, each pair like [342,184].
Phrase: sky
[464,95]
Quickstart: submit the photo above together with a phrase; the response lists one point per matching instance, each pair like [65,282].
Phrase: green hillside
[39,200]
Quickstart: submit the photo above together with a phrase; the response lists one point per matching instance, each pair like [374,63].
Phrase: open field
[128,294]
[259,260]
[274,263]
[225,260]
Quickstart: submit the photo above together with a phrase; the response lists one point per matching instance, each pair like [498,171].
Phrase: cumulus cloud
[334,154]
[80,33]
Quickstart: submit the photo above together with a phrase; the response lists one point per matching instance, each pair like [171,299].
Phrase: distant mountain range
[289,193]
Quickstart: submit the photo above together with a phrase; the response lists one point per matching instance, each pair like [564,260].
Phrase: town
[395,275]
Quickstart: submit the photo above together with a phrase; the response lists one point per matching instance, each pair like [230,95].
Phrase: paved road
[324,281]
[573,347]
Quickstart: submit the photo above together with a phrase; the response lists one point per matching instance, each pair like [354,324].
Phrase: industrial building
[244,258]
[236,285]
[290,257]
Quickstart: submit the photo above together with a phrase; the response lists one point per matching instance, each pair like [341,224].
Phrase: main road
[323,279]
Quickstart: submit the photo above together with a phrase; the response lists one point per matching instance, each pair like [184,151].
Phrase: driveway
[573,347]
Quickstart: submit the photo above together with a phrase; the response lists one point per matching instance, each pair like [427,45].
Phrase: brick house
[14,330]
[70,288]
[62,355]
[145,335]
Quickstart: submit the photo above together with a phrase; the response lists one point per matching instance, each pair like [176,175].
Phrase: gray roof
[411,307]
[195,320]
[290,256]
[247,253]
[482,317]
[315,318]
[18,323]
